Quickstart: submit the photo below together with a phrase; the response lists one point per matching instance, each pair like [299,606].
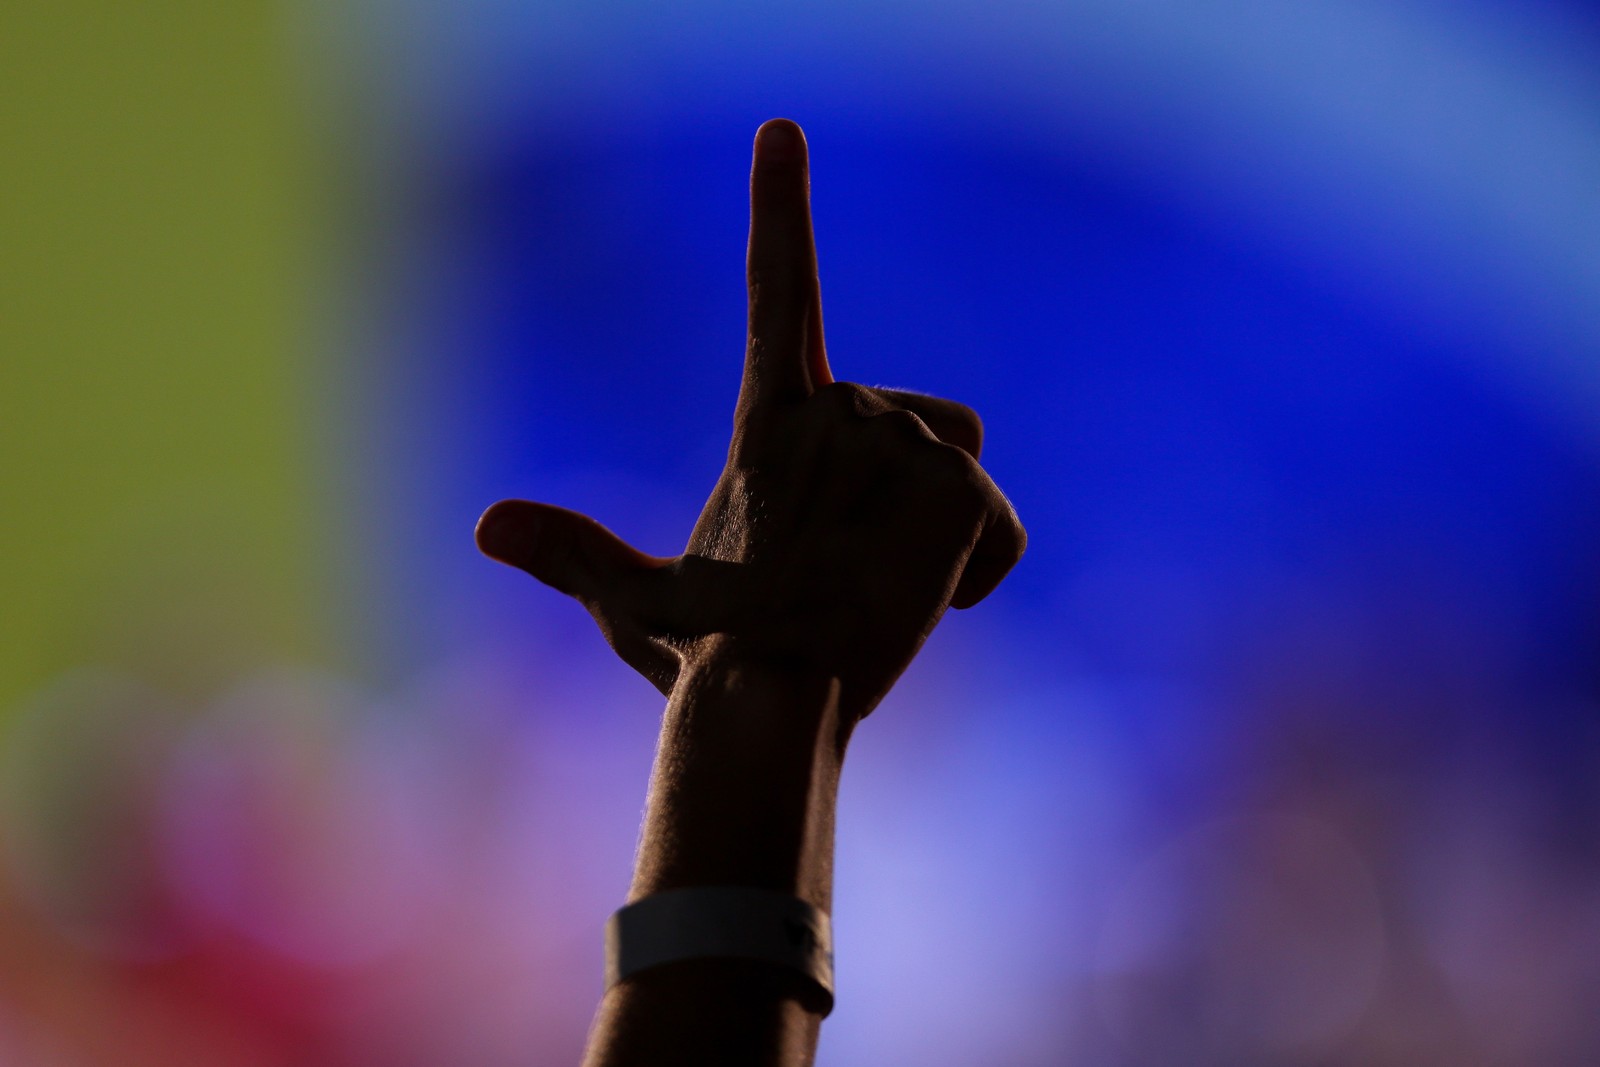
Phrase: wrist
[730,684]
[801,683]
[745,779]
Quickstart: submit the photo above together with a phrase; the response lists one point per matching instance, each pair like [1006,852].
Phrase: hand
[845,522]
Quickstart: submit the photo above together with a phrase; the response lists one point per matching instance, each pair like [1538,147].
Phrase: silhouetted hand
[845,522]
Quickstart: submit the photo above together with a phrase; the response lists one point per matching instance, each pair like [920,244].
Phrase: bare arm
[743,794]
[846,521]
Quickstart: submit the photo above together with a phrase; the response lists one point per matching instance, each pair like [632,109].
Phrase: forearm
[743,793]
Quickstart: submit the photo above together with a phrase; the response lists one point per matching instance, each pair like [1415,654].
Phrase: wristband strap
[724,921]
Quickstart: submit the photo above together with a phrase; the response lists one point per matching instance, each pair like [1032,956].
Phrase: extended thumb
[565,550]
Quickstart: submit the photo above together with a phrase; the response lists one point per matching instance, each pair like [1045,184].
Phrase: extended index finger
[784,356]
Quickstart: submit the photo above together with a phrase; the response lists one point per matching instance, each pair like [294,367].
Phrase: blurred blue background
[1281,744]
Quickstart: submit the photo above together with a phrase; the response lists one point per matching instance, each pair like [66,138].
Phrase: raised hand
[845,522]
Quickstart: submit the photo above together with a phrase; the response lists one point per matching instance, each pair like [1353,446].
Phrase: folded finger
[999,547]
[951,422]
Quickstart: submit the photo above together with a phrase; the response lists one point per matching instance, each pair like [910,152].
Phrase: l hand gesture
[845,522]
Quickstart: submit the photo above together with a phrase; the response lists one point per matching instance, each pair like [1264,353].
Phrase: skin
[848,518]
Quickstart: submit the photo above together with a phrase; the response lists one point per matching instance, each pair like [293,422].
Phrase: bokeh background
[1280,747]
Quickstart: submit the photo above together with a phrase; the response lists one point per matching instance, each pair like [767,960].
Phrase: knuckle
[960,425]
[957,464]
[904,423]
[847,398]
[949,420]
[967,479]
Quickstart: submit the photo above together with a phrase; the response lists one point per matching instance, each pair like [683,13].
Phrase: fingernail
[778,141]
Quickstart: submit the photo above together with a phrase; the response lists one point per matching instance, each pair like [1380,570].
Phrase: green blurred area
[157,253]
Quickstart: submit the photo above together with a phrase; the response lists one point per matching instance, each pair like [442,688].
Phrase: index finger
[784,355]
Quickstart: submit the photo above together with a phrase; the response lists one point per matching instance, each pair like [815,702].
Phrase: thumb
[567,551]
